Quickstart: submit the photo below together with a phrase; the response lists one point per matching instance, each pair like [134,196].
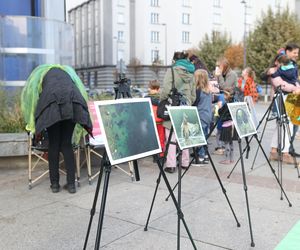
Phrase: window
[120,36]
[154,3]
[186,3]
[121,2]
[154,55]
[217,3]
[185,36]
[217,19]
[120,55]
[185,18]
[154,36]
[154,18]
[121,18]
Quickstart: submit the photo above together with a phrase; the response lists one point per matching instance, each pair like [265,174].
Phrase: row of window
[185,36]
[154,18]
[185,3]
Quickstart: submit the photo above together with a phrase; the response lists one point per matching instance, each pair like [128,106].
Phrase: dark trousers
[60,140]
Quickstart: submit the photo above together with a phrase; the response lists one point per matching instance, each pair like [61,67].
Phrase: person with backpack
[183,78]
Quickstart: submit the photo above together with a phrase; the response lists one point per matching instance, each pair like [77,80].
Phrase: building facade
[112,34]
[32,32]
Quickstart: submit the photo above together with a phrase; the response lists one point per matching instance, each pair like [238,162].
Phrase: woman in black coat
[60,106]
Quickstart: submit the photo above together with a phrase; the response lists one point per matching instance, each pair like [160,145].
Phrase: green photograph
[129,129]
[187,126]
[242,119]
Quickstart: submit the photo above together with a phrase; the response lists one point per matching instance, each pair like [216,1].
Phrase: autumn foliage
[234,55]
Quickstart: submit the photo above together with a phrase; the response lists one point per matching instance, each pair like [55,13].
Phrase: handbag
[174,99]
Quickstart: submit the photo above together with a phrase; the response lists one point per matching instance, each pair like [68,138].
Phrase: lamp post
[166,44]
[118,68]
[117,45]
[245,32]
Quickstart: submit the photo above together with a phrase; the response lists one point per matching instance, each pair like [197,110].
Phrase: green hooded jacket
[33,88]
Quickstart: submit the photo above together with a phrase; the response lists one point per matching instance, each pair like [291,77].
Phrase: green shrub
[11,119]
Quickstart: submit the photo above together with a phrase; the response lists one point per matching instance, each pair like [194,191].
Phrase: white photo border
[244,107]
[103,129]
[170,108]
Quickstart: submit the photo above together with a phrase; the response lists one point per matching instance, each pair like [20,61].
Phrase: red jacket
[249,88]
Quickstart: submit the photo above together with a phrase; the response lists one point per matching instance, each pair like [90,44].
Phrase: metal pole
[166,44]
[245,32]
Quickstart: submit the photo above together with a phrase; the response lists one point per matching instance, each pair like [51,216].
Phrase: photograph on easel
[249,101]
[187,126]
[129,129]
[242,119]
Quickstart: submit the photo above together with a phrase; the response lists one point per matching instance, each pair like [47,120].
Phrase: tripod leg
[262,135]
[246,195]
[292,146]
[179,196]
[181,177]
[176,204]
[222,187]
[266,114]
[92,213]
[272,170]
[102,206]
[158,179]
[228,176]
[152,203]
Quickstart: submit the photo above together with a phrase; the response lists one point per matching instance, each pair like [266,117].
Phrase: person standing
[228,132]
[226,77]
[204,106]
[292,51]
[153,94]
[247,85]
[183,71]
[55,99]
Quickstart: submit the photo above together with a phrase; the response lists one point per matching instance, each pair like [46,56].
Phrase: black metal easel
[180,215]
[122,91]
[282,124]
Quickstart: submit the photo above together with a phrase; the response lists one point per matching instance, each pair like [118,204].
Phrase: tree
[272,32]
[156,67]
[234,55]
[135,65]
[211,48]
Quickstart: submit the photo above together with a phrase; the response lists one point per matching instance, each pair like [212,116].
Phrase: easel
[178,184]
[245,135]
[105,166]
[282,124]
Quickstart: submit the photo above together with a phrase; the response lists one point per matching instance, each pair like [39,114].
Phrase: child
[228,132]
[287,70]
[247,85]
[203,103]
[153,93]
[219,150]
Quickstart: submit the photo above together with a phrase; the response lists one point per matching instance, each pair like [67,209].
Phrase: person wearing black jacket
[60,106]
[228,132]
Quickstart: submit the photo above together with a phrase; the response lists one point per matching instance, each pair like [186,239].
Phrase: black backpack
[174,99]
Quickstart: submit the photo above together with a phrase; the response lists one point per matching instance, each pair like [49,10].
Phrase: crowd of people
[54,99]
[196,84]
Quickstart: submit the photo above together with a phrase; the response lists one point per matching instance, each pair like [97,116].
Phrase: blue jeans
[201,151]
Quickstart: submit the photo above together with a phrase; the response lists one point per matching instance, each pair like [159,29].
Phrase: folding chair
[38,158]
[96,143]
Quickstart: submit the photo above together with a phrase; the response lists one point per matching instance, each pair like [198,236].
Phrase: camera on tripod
[123,87]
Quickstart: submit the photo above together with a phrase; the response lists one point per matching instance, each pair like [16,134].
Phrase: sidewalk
[39,219]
